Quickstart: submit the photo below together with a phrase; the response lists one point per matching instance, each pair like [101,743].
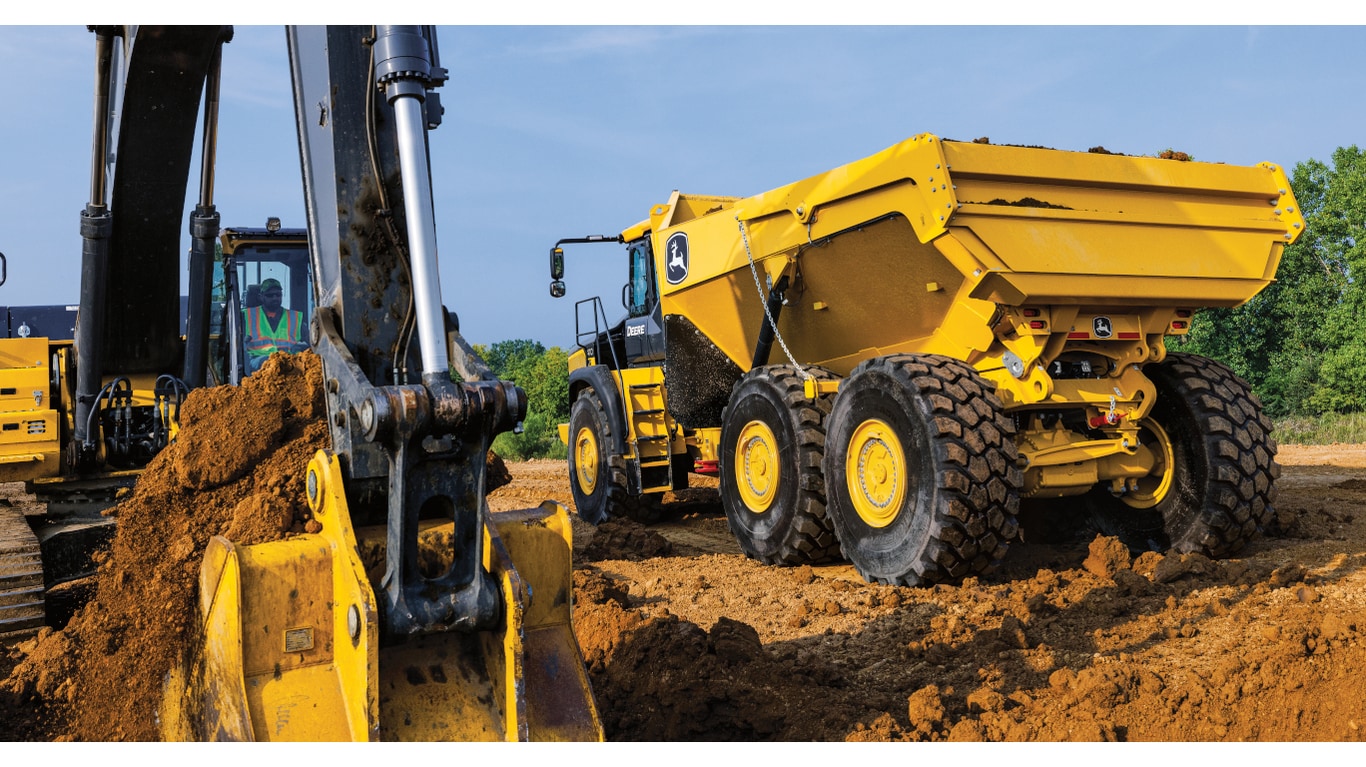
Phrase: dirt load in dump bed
[686,639]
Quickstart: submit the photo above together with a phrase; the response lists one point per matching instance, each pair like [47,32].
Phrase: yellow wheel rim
[756,458]
[1153,488]
[875,471]
[586,460]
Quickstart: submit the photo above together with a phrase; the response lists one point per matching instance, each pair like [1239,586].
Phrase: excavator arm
[372,236]
[477,646]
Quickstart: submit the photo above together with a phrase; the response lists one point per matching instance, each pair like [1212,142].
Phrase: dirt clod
[624,539]
[1106,557]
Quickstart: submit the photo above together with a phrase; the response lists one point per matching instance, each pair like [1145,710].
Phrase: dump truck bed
[915,248]
[1070,227]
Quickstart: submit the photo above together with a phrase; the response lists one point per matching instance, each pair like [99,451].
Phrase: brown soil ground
[686,639]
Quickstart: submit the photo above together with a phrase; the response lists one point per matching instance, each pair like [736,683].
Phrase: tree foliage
[1299,342]
[544,375]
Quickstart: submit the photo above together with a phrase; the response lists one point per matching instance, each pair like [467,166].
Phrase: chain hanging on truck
[763,301]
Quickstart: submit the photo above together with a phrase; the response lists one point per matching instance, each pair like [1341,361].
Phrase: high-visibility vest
[262,339]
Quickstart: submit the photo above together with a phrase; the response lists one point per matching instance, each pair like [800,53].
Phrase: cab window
[642,286]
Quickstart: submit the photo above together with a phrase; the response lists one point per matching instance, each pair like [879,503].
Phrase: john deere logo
[1102,327]
[676,258]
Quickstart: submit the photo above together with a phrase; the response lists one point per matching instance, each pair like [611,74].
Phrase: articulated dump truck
[887,359]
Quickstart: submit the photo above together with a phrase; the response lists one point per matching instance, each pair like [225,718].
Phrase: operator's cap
[270,283]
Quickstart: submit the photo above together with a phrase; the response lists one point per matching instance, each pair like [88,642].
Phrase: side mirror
[557,289]
[4,269]
[557,264]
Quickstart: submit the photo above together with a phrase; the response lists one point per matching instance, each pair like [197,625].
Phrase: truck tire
[920,466]
[772,441]
[597,476]
[1218,459]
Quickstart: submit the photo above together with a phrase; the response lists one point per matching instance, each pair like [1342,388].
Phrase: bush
[544,375]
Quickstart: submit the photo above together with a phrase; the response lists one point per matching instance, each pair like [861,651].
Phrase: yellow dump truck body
[916,247]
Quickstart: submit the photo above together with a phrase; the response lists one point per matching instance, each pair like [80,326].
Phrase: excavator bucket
[292,644]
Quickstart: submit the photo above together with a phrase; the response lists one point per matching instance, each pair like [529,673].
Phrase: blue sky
[556,131]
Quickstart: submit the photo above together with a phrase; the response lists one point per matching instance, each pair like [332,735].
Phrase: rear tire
[772,441]
[597,476]
[1223,465]
[920,467]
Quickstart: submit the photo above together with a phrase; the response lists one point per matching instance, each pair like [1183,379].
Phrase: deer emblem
[677,263]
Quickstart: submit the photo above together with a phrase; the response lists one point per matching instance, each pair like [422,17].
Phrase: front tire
[920,466]
[597,476]
[772,441]
[1218,482]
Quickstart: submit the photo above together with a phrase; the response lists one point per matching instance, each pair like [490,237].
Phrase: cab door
[643,328]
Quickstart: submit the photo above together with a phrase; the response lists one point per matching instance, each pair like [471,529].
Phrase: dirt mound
[236,469]
[496,473]
[625,539]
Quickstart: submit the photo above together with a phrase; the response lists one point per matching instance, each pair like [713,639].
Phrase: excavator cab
[248,258]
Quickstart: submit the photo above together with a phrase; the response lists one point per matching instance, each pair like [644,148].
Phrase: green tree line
[1300,342]
[544,375]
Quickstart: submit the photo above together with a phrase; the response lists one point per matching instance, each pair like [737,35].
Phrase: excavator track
[21,578]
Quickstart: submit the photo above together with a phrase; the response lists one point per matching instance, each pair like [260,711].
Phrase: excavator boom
[408,611]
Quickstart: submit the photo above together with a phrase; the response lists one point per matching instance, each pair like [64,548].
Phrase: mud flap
[291,651]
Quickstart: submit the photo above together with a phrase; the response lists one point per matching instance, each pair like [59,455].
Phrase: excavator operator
[271,328]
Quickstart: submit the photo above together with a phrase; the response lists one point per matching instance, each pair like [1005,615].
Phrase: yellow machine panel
[30,442]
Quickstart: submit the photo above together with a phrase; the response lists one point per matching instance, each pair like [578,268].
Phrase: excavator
[298,642]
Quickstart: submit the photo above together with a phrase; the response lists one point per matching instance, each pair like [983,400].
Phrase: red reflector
[1037,324]
[1178,325]
[1101,421]
[1081,335]
[1031,312]
[1128,336]
[706,467]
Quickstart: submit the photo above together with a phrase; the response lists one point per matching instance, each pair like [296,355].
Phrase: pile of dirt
[496,473]
[625,539]
[236,469]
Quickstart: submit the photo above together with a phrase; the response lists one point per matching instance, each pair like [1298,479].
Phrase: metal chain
[763,301]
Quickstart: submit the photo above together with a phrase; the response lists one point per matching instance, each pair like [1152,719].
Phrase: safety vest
[262,339]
